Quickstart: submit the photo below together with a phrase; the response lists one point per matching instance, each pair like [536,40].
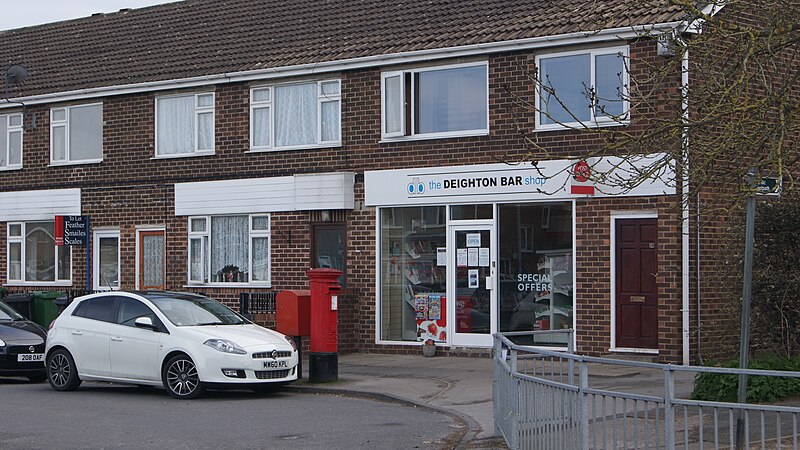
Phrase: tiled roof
[204,37]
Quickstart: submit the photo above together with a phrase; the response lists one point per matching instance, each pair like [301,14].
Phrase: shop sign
[544,180]
[72,230]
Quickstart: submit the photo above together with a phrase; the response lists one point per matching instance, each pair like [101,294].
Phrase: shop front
[468,251]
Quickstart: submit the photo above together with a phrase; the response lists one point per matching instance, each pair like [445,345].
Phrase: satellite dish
[16,74]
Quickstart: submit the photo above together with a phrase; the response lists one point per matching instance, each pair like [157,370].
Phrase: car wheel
[37,378]
[62,372]
[180,378]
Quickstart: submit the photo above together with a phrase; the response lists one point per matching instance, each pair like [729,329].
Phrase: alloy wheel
[59,370]
[182,377]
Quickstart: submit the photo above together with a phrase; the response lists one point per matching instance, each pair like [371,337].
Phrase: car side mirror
[144,322]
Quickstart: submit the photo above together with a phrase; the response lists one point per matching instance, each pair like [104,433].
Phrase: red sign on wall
[581,183]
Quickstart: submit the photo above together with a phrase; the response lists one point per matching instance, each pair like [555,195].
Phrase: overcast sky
[23,13]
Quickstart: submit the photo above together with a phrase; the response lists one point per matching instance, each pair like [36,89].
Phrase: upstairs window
[436,102]
[76,134]
[298,115]
[586,88]
[10,141]
[33,256]
[185,125]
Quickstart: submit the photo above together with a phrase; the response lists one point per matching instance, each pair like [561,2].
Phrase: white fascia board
[608,35]
[26,206]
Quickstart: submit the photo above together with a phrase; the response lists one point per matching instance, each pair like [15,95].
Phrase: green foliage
[760,389]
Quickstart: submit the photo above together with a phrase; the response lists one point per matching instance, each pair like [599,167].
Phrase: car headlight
[2,343]
[291,341]
[225,346]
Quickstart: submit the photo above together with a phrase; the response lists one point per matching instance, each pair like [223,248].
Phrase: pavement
[458,386]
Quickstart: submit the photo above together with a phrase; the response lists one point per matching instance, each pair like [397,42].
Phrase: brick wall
[131,189]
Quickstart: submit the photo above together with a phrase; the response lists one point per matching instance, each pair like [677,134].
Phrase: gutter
[543,42]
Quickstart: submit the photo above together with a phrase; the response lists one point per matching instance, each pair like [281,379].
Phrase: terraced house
[226,147]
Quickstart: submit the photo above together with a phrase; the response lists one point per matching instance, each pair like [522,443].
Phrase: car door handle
[116,339]
[77,333]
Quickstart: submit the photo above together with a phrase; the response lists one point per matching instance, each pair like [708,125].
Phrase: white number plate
[31,357]
[274,364]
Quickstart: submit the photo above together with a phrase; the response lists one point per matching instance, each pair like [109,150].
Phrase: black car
[21,346]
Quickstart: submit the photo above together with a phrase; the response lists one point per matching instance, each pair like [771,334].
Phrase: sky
[23,13]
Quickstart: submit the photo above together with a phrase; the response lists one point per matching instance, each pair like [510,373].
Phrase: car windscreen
[196,311]
[8,313]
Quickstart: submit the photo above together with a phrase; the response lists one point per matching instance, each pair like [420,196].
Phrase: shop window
[76,134]
[185,125]
[412,273]
[536,273]
[33,256]
[582,89]
[229,249]
[436,102]
[471,212]
[10,141]
[295,115]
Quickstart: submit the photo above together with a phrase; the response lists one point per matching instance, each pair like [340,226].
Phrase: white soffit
[27,206]
[260,195]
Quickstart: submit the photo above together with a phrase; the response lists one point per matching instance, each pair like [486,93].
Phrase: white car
[184,342]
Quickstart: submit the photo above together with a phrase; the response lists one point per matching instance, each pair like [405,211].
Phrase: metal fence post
[669,408]
[496,394]
[583,369]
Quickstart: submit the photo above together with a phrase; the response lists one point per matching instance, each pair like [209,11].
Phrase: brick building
[227,147]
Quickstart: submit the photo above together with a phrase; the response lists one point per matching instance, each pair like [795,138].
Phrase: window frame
[206,245]
[321,99]
[22,280]
[13,129]
[66,124]
[407,131]
[594,121]
[196,117]
[100,285]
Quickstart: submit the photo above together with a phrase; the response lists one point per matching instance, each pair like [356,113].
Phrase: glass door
[151,260]
[472,272]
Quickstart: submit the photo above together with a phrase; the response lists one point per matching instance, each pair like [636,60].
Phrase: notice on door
[461,257]
[473,239]
[483,257]
[474,282]
[472,257]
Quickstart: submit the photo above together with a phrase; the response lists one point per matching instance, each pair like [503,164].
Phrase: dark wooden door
[637,291]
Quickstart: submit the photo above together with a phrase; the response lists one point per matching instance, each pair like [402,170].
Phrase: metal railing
[546,399]
[257,303]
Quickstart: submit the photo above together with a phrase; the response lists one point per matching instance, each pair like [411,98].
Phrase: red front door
[637,291]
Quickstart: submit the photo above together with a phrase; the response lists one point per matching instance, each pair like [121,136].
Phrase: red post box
[323,361]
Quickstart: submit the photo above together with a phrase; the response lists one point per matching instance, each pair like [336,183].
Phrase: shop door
[637,290]
[472,285]
[151,260]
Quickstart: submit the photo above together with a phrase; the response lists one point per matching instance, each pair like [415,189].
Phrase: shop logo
[416,187]
[581,172]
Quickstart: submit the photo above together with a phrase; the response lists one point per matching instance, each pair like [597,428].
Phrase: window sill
[38,284]
[293,147]
[74,163]
[423,137]
[185,155]
[228,285]
[577,126]
[4,169]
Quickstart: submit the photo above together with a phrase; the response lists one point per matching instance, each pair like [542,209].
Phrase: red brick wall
[130,188]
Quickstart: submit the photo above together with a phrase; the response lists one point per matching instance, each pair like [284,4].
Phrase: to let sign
[72,230]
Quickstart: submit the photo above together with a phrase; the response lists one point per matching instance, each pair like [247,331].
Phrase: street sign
[769,186]
[72,230]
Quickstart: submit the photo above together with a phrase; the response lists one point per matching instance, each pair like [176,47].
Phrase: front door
[472,285]
[151,260]
[637,291]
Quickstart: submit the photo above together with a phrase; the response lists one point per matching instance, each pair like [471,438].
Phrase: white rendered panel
[39,205]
